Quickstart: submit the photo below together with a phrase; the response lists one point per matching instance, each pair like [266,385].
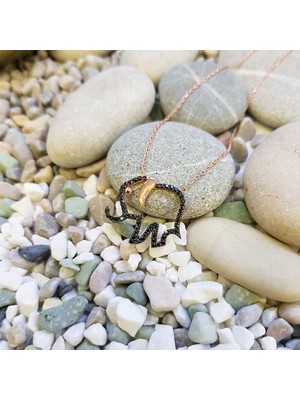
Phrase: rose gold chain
[188,94]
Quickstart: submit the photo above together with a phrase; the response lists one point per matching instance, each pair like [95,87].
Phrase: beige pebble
[38,123]
[97,206]
[28,171]
[103,182]
[68,173]
[269,268]
[44,175]
[91,169]
[279,329]
[290,312]
[239,150]
[247,129]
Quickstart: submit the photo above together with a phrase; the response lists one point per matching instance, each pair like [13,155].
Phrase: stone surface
[130,317]
[96,334]
[203,329]
[279,329]
[155,63]
[46,225]
[162,295]
[177,154]
[56,318]
[271,190]
[248,315]
[290,312]
[66,55]
[110,103]
[9,191]
[72,189]
[221,311]
[7,297]
[8,56]
[27,298]
[97,206]
[35,253]
[137,293]
[162,338]
[269,268]
[201,292]
[116,334]
[100,277]
[86,270]
[214,107]
[280,88]
[243,337]
[239,297]
[77,207]
[236,211]
[74,335]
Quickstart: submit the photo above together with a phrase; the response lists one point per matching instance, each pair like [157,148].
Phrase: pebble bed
[70,279]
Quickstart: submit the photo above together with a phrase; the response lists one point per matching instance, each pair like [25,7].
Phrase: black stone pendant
[137,236]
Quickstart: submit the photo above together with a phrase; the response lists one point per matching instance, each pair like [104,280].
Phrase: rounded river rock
[96,114]
[178,153]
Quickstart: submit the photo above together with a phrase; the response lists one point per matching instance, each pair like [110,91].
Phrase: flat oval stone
[178,153]
[247,257]
[214,107]
[96,114]
[155,63]
[277,102]
[272,184]
[35,253]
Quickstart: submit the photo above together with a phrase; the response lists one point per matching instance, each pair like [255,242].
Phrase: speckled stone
[236,211]
[272,184]
[110,103]
[178,153]
[7,297]
[239,297]
[281,87]
[56,318]
[214,107]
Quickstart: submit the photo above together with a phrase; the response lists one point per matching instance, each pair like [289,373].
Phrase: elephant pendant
[149,184]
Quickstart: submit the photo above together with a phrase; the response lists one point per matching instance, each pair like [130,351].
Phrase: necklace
[149,183]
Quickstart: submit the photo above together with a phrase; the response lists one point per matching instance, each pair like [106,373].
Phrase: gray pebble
[7,297]
[19,261]
[169,319]
[117,334]
[137,293]
[76,233]
[28,172]
[86,345]
[97,206]
[56,186]
[49,288]
[97,315]
[56,318]
[65,220]
[280,329]
[127,278]
[46,225]
[145,332]
[35,253]
[83,277]
[239,150]
[34,112]
[181,337]
[52,268]
[9,191]
[203,329]
[38,148]
[2,314]
[100,277]
[248,315]
[100,244]
[247,129]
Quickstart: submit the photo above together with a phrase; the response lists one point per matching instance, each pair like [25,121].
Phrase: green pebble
[158,314]
[203,329]
[32,347]
[86,270]
[87,345]
[7,297]
[68,263]
[297,347]
[120,291]
[197,308]
[123,228]
[237,211]
[238,297]
[117,334]
[7,161]
[149,220]
[5,208]
[145,332]
[146,258]
[77,207]
[136,292]
[85,293]
[72,189]
[66,314]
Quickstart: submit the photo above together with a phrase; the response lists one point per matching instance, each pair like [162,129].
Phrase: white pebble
[162,338]
[93,234]
[83,257]
[243,337]
[21,272]
[102,298]
[116,346]
[43,339]
[172,275]
[5,265]
[4,345]
[225,335]
[201,292]
[32,323]
[27,298]
[40,279]
[226,346]
[111,309]
[71,249]
[111,254]
[16,229]
[18,241]
[10,280]
[258,330]
[156,268]
[24,207]
[59,248]
[36,239]
[268,343]
[179,258]
[205,276]
[164,260]
[130,317]
[122,266]
[74,334]
[90,186]
[165,250]
[11,312]
[182,316]
[51,302]
[66,273]
[133,261]
[221,311]
[112,234]
[34,191]
[142,247]
[138,344]
[269,315]
[151,320]
[96,334]
[59,344]
[199,347]
[189,271]
[4,253]
[83,246]
[183,233]
[5,229]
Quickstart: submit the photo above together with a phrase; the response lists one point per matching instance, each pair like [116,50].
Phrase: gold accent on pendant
[146,189]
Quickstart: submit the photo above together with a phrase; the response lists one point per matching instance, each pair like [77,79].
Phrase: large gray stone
[96,114]
[272,184]
[277,102]
[215,107]
[178,153]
